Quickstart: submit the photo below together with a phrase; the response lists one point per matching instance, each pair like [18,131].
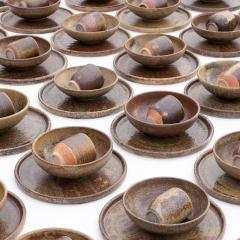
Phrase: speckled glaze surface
[52,23]
[40,185]
[12,217]
[211,7]
[54,233]
[214,180]
[92,6]
[193,140]
[65,106]
[20,137]
[40,73]
[200,45]
[210,104]
[133,71]
[116,225]
[176,21]
[67,45]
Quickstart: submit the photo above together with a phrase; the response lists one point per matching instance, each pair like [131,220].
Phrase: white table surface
[84,217]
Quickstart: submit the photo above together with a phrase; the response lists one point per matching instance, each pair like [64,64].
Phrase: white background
[85,217]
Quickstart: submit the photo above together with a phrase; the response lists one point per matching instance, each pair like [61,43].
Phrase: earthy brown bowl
[45,50]
[135,44]
[138,197]
[199,26]
[136,110]
[208,74]
[223,151]
[43,147]
[54,233]
[3,194]
[152,13]
[90,37]
[21,105]
[62,78]
[33,13]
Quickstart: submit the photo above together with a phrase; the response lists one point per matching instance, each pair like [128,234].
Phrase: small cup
[77,149]
[172,206]
[34,12]
[3,194]
[6,105]
[88,77]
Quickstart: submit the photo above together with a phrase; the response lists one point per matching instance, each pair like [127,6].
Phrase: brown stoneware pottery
[19,103]
[197,44]
[174,22]
[63,78]
[140,196]
[3,194]
[199,24]
[193,140]
[32,12]
[37,183]
[62,42]
[95,5]
[226,153]
[213,6]
[55,233]
[20,138]
[116,225]
[43,72]
[12,217]
[137,112]
[133,71]
[88,37]
[152,13]
[58,103]
[212,74]
[211,104]
[214,180]
[52,23]
[43,149]
[135,45]
[19,60]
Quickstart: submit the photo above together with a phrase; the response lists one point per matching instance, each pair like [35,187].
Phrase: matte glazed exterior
[136,110]
[152,13]
[69,26]
[139,196]
[61,80]
[44,47]
[135,44]
[44,144]
[33,13]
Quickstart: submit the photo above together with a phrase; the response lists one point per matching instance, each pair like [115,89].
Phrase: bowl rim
[163,125]
[150,9]
[109,151]
[5,194]
[207,14]
[19,112]
[33,8]
[159,224]
[128,49]
[115,27]
[36,38]
[215,152]
[203,79]
[86,91]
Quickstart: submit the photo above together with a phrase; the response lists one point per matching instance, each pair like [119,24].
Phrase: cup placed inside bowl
[135,44]
[139,197]
[43,152]
[62,79]
[69,26]
[137,109]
